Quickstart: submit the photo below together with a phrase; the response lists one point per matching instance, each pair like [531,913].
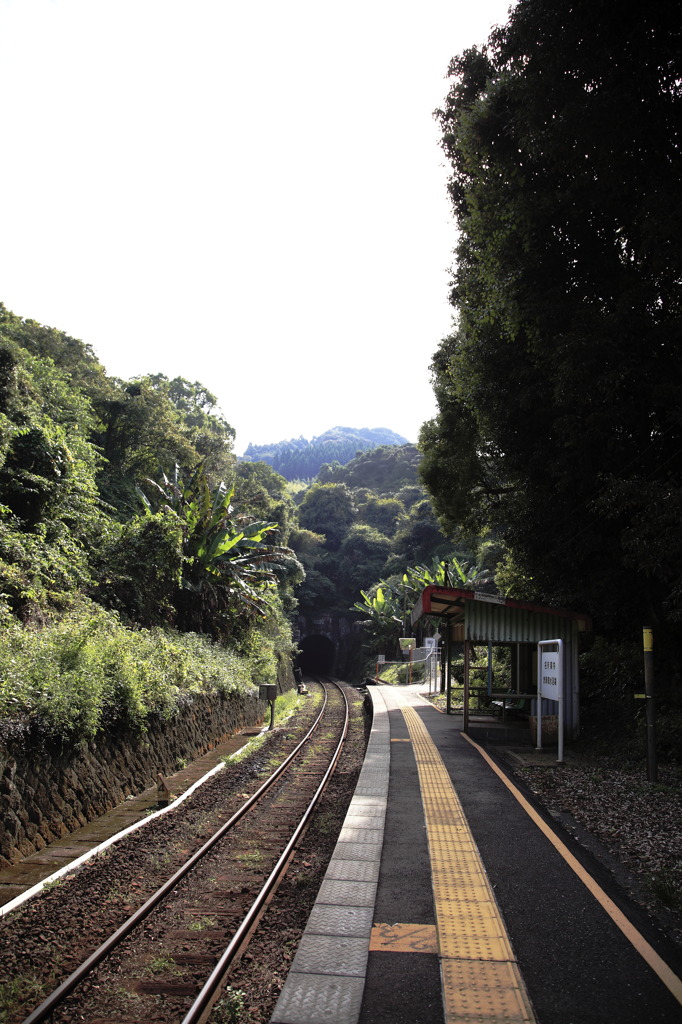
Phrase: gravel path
[634,827]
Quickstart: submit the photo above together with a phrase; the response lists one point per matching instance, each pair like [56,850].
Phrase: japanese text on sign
[550,675]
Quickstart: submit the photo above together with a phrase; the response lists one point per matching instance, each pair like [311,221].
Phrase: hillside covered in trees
[370,521]
[129,572]
[300,459]
[138,555]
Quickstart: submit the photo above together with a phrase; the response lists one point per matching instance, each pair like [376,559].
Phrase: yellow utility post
[650,707]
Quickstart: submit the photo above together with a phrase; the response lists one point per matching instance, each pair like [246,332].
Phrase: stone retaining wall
[45,793]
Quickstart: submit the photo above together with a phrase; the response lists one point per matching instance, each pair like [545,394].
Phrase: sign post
[551,687]
[651,762]
[408,643]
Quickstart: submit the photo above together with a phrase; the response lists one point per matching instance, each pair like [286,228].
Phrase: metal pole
[465,724]
[538,713]
[443,658]
[651,764]
[448,671]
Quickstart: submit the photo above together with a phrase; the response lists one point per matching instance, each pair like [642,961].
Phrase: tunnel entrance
[317,656]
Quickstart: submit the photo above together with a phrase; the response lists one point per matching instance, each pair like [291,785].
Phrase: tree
[49,510]
[200,420]
[383,621]
[559,412]
[228,568]
[384,469]
[383,514]
[263,492]
[362,557]
[419,537]
[328,509]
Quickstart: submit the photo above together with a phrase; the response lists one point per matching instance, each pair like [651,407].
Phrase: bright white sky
[248,193]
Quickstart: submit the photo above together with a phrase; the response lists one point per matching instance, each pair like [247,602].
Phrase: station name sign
[490,598]
[550,675]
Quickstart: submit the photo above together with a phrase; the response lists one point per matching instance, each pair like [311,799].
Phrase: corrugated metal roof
[487,617]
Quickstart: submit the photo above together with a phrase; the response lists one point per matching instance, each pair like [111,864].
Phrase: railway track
[167,958]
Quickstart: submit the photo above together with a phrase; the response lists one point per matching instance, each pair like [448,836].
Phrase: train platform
[451,897]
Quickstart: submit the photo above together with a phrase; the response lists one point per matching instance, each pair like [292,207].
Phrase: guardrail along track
[165,961]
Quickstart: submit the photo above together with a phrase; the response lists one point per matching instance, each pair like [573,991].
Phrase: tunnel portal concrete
[318,656]
[329,645]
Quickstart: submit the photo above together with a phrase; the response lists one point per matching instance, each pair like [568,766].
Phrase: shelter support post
[467,657]
[444,655]
[490,668]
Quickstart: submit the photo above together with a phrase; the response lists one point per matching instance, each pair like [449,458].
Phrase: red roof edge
[455,594]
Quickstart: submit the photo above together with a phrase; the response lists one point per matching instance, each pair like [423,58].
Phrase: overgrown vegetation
[129,576]
[86,672]
[369,521]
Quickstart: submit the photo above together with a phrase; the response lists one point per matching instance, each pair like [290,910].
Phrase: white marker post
[551,687]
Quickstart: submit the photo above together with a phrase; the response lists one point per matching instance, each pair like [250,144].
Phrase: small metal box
[267,691]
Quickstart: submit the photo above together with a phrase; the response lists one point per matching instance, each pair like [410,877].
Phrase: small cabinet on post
[268,692]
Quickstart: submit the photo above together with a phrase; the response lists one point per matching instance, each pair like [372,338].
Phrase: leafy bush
[88,672]
[269,646]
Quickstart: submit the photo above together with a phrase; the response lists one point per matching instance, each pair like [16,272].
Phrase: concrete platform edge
[327,977]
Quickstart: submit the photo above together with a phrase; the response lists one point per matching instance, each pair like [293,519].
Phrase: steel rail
[204,1000]
[56,997]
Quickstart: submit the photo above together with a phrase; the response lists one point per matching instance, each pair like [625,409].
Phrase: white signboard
[551,686]
[381,658]
[550,674]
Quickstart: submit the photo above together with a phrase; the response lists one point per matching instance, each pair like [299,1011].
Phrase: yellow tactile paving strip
[482,983]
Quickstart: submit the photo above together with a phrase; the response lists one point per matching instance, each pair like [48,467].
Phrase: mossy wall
[47,792]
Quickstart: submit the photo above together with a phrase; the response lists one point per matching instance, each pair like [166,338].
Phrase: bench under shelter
[470,617]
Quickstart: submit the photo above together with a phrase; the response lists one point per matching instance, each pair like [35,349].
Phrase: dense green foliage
[49,510]
[368,521]
[111,497]
[227,564]
[386,608]
[87,672]
[385,469]
[559,420]
[299,459]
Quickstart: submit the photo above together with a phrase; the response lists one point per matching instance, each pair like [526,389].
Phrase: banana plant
[383,611]
[228,563]
[448,572]
[387,609]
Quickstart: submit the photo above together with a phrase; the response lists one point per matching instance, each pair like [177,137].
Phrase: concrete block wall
[47,792]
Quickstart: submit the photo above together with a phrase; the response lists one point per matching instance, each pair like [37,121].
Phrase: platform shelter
[470,617]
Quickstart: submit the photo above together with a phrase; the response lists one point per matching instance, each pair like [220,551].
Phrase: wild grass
[89,672]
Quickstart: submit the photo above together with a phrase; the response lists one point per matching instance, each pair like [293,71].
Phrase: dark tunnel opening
[317,656]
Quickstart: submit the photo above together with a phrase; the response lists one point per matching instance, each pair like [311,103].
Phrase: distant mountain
[300,459]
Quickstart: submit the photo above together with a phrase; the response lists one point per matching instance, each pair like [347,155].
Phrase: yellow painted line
[657,964]
[403,938]
[400,739]
[480,976]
